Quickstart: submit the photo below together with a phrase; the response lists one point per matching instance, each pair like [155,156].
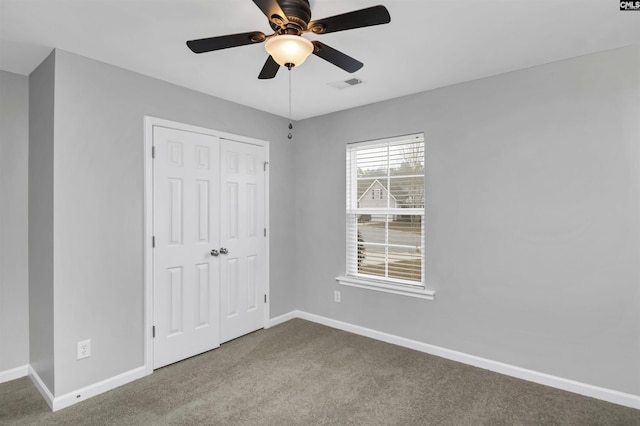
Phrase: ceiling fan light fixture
[289,49]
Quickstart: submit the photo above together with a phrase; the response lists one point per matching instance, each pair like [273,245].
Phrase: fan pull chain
[290,135]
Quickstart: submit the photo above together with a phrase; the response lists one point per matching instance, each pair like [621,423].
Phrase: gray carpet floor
[301,373]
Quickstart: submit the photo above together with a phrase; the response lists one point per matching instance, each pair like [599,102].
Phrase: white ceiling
[428,44]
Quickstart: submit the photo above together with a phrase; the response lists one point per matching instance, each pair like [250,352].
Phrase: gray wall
[41,232]
[14,223]
[532,218]
[98,207]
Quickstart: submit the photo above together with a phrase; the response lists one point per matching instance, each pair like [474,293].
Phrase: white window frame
[393,286]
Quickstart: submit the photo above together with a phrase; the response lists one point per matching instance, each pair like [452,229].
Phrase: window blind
[385,210]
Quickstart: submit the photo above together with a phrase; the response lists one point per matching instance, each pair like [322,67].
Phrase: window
[385,215]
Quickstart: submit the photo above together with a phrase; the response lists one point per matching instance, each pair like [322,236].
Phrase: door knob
[214,252]
[223,250]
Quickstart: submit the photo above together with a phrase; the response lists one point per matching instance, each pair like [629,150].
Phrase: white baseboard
[282,318]
[87,392]
[609,395]
[42,388]
[66,400]
[14,373]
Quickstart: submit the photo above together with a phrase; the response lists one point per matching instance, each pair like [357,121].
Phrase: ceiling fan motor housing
[298,13]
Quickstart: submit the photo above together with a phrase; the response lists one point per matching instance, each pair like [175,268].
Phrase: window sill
[387,288]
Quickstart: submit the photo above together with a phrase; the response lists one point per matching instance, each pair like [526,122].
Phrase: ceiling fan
[289,19]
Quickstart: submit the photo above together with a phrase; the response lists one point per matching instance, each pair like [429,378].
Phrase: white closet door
[186,293]
[243,266]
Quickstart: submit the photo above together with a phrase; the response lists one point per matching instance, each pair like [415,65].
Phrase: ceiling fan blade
[271,9]
[336,57]
[223,42]
[270,69]
[375,15]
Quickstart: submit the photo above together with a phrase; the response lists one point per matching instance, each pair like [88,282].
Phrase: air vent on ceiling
[344,84]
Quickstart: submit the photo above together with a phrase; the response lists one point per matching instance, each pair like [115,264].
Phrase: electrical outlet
[336,296]
[84,349]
